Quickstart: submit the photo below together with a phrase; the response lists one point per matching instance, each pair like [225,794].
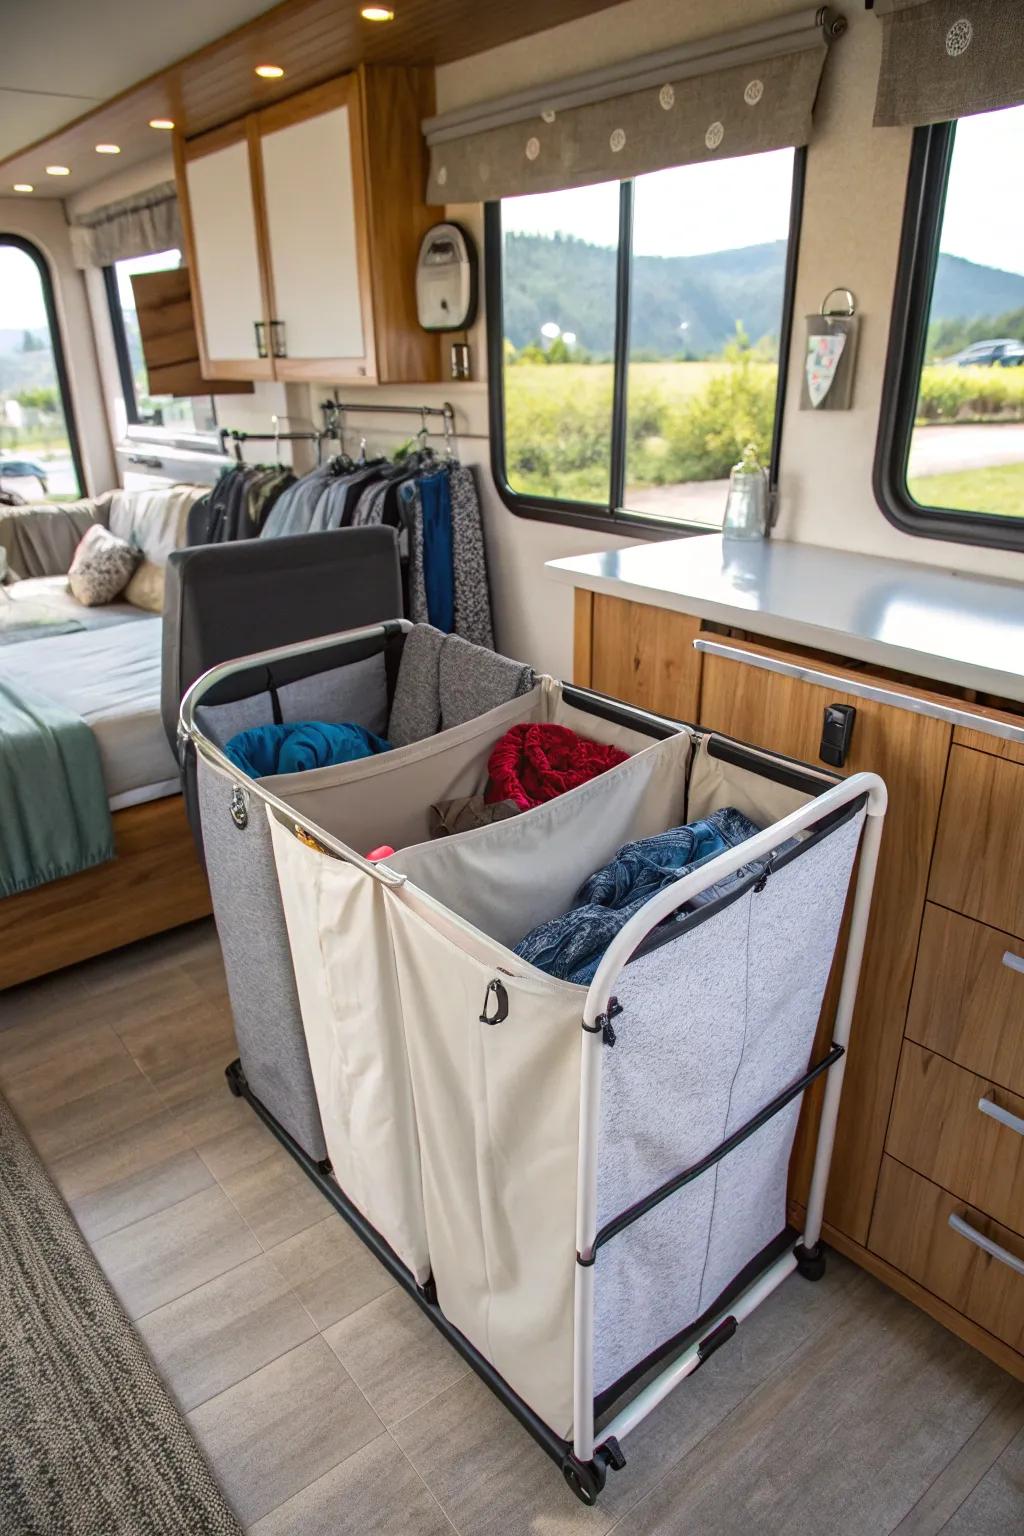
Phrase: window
[38,448]
[638,333]
[950,460]
[185,413]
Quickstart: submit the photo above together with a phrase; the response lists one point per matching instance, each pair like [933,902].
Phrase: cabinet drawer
[968,997]
[910,1230]
[938,1129]
[979,853]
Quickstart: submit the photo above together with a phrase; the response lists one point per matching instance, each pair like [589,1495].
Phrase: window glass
[558,291]
[36,456]
[966,449]
[708,279]
[184,413]
[655,431]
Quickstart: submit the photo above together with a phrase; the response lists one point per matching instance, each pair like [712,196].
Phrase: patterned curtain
[945,59]
[738,94]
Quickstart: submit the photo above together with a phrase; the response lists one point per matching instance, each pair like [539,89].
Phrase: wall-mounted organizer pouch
[830,355]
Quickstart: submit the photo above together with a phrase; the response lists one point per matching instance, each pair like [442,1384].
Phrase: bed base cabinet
[155,882]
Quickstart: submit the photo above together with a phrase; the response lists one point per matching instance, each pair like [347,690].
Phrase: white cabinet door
[314,242]
[226,257]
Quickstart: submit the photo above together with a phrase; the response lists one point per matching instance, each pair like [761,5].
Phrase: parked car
[15,472]
[1006,352]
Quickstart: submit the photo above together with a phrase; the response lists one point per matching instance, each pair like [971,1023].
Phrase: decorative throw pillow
[146,588]
[101,566]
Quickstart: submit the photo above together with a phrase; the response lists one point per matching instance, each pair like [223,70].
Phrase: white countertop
[934,623]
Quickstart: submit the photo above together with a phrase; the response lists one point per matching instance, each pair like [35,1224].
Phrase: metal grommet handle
[851,304]
[499,993]
[239,807]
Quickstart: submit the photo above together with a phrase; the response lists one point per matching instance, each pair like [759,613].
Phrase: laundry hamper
[583,1186]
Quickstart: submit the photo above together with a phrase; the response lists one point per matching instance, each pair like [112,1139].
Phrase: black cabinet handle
[277,338]
[261,342]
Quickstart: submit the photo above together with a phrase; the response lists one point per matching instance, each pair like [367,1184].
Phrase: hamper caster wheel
[584,1478]
[810,1262]
[236,1078]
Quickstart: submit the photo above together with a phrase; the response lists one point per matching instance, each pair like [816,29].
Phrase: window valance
[735,94]
[944,59]
[136,226]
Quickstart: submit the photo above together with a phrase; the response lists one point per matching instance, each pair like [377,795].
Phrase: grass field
[998,489]
[686,422]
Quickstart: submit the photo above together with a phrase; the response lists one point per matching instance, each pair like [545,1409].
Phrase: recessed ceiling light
[269,71]
[108,149]
[23,186]
[376,13]
[161,122]
[58,170]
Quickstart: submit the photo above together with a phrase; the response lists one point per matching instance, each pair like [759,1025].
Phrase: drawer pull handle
[979,1240]
[1002,1116]
[1014,962]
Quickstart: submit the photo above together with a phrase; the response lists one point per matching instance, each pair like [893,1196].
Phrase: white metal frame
[615,957]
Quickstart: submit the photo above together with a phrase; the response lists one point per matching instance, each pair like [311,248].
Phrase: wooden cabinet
[909,751]
[944,1125]
[302,225]
[979,856]
[641,654]
[911,1231]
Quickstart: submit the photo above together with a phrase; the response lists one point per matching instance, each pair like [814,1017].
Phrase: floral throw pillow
[101,567]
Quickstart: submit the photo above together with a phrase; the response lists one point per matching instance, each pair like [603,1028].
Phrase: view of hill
[689,305]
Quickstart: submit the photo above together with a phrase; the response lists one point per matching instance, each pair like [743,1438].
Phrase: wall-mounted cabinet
[303,223]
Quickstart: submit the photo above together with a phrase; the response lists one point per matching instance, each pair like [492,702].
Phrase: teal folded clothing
[304,744]
[54,813]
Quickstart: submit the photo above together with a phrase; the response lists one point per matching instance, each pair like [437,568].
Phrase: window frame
[927,179]
[42,265]
[617,518]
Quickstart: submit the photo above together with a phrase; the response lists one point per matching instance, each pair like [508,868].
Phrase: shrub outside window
[638,333]
[38,448]
[950,460]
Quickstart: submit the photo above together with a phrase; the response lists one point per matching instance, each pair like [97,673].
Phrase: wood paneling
[997,746]
[967,1004]
[583,638]
[910,1230]
[938,1130]
[155,882]
[645,656]
[312,40]
[167,330]
[979,855]
[909,752]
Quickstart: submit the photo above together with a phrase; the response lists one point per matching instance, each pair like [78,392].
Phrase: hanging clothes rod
[334,417]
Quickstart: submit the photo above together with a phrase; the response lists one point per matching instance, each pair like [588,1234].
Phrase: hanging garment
[293,511]
[472,593]
[299,746]
[571,946]
[537,762]
[438,568]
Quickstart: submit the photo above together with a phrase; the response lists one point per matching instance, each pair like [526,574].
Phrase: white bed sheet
[111,677]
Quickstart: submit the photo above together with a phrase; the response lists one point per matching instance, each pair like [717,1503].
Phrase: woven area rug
[90,1442]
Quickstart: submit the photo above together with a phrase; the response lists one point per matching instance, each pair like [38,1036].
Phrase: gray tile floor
[327,1404]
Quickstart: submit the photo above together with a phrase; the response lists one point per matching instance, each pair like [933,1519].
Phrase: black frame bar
[67,403]
[678,1181]
[616,517]
[924,210]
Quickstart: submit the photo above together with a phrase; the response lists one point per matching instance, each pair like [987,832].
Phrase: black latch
[602,1025]
[836,733]
[497,990]
[766,870]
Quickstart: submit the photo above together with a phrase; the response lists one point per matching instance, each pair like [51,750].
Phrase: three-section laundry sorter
[583,1187]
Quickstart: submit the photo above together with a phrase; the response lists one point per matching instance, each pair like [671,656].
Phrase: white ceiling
[59,58]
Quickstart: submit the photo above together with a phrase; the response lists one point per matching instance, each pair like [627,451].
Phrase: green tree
[44,398]
[30,343]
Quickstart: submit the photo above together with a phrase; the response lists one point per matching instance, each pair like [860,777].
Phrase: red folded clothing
[535,763]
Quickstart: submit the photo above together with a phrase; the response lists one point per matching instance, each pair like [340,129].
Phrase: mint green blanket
[54,816]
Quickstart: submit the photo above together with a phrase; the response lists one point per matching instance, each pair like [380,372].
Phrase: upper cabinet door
[311,157]
[223,242]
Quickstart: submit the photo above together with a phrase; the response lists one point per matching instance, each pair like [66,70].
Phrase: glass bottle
[746,507]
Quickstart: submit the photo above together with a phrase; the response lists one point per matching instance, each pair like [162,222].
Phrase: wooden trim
[995,746]
[155,882]
[296,109]
[583,638]
[979,1338]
